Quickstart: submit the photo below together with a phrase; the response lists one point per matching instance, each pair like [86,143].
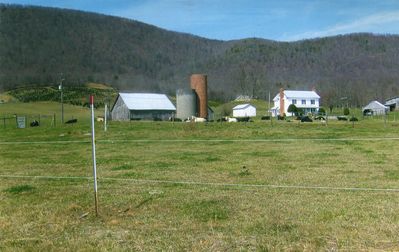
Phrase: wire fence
[24,121]
[204,183]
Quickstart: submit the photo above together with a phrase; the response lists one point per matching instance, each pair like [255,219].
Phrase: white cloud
[375,23]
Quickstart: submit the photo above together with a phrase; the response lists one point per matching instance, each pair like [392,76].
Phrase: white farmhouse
[244,110]
[308,101]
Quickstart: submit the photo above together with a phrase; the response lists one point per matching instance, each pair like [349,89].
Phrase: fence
[23,121]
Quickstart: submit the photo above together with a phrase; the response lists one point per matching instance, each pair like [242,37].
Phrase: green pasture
[167,186]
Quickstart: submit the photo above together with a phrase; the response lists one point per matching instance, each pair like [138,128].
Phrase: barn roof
[375,105]
[147,101]
[242,106]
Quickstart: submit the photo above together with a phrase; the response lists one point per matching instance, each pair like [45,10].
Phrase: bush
[353,119]
[243,119]
[265,118]
[322,111]
[292,109]
[346,111]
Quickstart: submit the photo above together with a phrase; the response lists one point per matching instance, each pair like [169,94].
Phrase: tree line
[38,43]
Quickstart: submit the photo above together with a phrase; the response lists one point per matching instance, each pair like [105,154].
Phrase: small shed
[244,110]
[375,108]
[142,106]
[392,103]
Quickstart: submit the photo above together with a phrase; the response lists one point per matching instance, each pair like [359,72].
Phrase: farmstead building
[142,106]
[308,101]
[244,110]
[375,108]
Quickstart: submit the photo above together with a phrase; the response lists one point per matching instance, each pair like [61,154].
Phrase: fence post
[93,143]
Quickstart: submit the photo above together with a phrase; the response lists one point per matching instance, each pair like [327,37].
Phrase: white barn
[137,106]
[308,101]
[375,108]
[244,110]
[392,103]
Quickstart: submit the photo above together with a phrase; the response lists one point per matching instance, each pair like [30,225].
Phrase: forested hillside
[39,44]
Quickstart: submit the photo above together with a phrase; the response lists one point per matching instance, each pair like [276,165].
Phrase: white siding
[308,96]
[245,111]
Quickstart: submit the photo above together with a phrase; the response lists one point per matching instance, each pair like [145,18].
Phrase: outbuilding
[375,108]
[142,106]
[392,103]
[244,110]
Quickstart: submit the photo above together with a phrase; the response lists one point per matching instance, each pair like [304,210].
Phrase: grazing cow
[100,119]
[232,119]
[71,121]
[34,123]
[199,119]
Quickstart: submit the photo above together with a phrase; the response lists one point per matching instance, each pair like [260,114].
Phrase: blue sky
[282,20]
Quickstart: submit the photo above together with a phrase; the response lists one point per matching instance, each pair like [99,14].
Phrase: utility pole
[62,100]
[270,112]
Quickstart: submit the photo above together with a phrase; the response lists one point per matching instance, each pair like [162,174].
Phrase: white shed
[244,110]
[375,108]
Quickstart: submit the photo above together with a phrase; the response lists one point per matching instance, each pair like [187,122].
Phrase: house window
[293,101]
[303,102]
[312,102]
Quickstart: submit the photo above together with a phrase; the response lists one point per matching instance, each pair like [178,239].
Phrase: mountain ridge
[40,43]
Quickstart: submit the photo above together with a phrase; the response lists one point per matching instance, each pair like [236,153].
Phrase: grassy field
[201,187]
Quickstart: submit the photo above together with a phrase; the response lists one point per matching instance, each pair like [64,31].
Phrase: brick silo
[199,84]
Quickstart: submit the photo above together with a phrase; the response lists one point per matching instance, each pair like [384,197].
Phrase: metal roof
[299,94]
[147,101]
[375,105]
[242,106]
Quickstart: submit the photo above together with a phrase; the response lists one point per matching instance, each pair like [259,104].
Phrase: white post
[94,153]
[105,118]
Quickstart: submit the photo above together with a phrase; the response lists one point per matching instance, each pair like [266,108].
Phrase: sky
[281,20]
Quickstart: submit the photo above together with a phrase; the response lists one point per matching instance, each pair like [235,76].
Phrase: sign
[21,122]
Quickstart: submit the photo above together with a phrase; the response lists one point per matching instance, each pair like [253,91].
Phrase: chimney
[281,101]
[314,88]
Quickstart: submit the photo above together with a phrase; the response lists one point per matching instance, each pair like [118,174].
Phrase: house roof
[375,105]
[147,101]
[292,94]
[242,106]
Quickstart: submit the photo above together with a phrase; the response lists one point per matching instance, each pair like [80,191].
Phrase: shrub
[243,119]
[346,111]
[265,118]
[353,119]
[292,109]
